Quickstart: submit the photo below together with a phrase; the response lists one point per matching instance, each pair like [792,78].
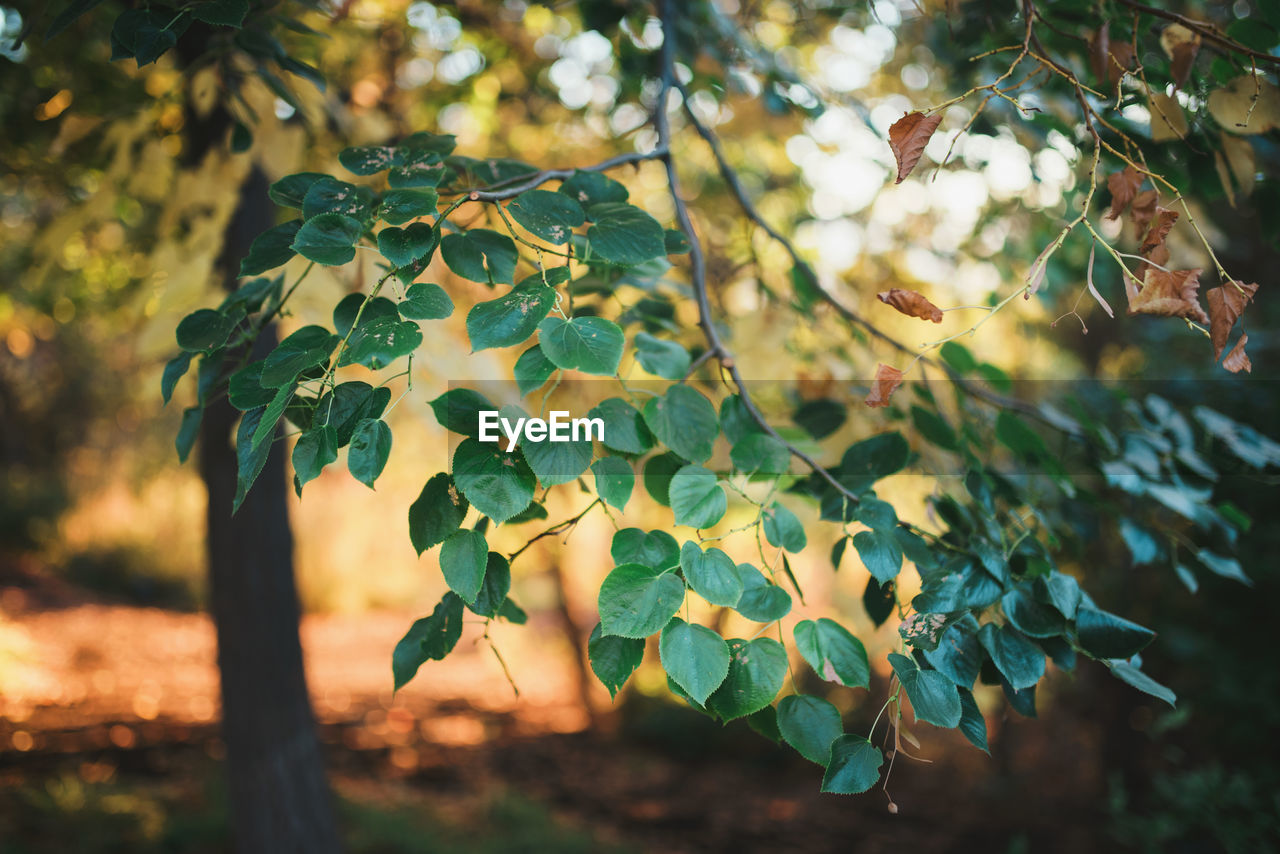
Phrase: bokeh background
[108,685]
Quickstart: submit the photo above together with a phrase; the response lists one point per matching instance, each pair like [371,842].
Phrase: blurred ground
[97,716]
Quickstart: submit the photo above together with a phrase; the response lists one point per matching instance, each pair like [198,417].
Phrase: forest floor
[101,701]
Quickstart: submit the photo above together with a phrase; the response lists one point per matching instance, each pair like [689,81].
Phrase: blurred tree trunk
[280,799]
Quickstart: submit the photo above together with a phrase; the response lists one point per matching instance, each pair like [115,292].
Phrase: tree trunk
[280,800]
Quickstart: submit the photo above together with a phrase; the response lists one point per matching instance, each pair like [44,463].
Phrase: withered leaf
[1169,294]
[907,137]
[1039,270]
[1181,46]
[887,380]
[1238,360]
[1226,304]
[1144,208]
[911,304]
[1158,231]
[1089,282]
[1109,60]
[1123,186]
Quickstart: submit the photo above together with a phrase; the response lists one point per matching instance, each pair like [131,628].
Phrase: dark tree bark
[280,799]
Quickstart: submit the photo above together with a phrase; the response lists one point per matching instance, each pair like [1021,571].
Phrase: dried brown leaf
[1181,46]
[907,137]
[1238,360]
[1171,294]
[1226,304]
[1123,186]
[1246,105]
[1158,231]
[1109,60]
[1144,208]
[1244,164]
[1168,121]
[911,304]
[888,379]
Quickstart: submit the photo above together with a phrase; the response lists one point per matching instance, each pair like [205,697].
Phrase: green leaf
[370,447]
[592,188]
[315,449]
[872,459]
[557,462]
[368,308]
[677,242]
[401,206]
[174,370]
[810,725]
[533,369]
[1126,672]
[655,549]
[665,359]
[1014,433]
[833,653]
[761,602]
[350,403]
[879,601]
[624,427]
[1104,635]
[204,330]
[615,480]
[549,215]
[854,766]
[425,301]
[428,639]
[494,588]
[458,410]
[291,190]
[736,420]
[368,159]
[880,553]
[820,418]
[783,530]
[958,655]
[145,34]
[481,255]
[624,234]
[188,431]
[424,175]
[659,471]
[760,453]
[636,600]
[683,420]
[272,413]
[308,347]
[1223,566]
[1019,660]
[463,559]
[1029,616]
[68,16]
[380,342]
[511,319]
[271,248]
[592,345]
[695,657]
[756,671]
[613,659]
[500,485]
[437,513]
[328,239]
[249,458]
[765,723]
[972,723]
[934,697]
[403,246]
[697,498]
[1061,591]
[934,429]
[712,575]
[331,196]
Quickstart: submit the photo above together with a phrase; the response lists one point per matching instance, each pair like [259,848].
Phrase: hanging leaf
[854,766]
[888,378]
[1237,360]
[810,725]
[1247,105]
[1181,45]
[695,657]
[636,601]
[1172,294]
[911,304]
[908,137]
[1123,186]
[436,514]
[428,639]
[1226,304]
[613,659]
[756,672]
[1093,291]
[1162,221]
[1109,60]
